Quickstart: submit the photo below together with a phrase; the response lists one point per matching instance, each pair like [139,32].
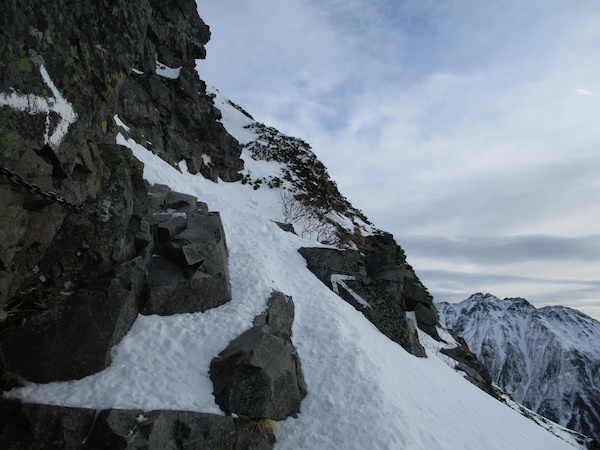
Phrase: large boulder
[259,374]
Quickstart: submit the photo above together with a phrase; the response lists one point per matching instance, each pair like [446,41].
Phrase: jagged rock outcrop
[475,371]
[546,358]
[309,197]
[171,113]
[47,426]
[259,374]
[75,61]
[378,282]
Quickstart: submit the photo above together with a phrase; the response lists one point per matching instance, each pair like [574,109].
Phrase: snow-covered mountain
[548,359]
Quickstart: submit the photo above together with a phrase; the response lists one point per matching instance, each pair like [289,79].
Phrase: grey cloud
[450,280]
[503,250]
[523,199]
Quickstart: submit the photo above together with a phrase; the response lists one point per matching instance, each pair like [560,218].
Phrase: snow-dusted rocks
[475,371]
[259,374]
[374,280]
[188,272]
[170,260]
[548,359]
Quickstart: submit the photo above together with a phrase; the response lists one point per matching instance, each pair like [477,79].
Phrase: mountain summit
[548,359]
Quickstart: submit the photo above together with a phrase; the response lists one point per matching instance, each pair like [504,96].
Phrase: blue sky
[468,129]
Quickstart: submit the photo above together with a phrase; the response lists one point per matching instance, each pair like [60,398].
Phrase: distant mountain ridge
[548,359]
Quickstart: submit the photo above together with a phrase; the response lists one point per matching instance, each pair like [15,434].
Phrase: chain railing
[18,180]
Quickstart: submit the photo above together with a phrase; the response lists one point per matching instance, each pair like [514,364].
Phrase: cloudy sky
[468,129]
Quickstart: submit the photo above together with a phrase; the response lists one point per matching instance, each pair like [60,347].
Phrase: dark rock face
[259,373]
[80,56]
[178,129]
[86,65]
[61,272]
[426,319]
[83,294]
[176,33]
[378,282]
[70,341]
[73,283]
[45,426]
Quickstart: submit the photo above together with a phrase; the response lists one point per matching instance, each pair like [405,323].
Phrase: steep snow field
[364,391]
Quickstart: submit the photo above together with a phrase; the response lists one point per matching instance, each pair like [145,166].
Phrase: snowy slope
[548,359]
[364,391]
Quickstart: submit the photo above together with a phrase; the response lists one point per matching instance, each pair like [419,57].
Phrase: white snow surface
[167,72]
[434,347]
[364,391]
[120,123]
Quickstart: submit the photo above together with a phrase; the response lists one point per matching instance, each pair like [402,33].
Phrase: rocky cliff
[67,69]
[546,358]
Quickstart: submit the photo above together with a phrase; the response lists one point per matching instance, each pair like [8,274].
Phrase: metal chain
[17,179]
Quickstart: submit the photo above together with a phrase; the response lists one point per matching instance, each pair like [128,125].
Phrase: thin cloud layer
[435,118]
[506,250]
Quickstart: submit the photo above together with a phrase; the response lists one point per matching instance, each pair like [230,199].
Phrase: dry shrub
[262,426]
